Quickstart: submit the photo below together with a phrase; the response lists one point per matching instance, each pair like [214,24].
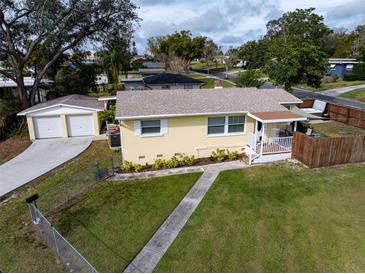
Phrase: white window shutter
[164,126]
[137,127]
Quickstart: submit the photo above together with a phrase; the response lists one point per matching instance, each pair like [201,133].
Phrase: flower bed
[217,156]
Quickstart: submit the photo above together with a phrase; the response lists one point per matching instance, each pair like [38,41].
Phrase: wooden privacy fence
[320,152]
[348,115]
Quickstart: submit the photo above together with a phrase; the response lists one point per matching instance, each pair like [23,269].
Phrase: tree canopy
[181,44]
[294,53]
[25,26]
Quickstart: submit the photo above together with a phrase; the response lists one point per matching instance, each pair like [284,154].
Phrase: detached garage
[69,116]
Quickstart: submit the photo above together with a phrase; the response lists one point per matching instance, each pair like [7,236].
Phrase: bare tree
[63,24]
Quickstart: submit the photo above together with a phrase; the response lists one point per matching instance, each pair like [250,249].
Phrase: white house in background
[8,85]
[69,116]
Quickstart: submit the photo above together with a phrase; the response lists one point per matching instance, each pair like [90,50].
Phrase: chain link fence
[63,193]
[61,196]
[72,259]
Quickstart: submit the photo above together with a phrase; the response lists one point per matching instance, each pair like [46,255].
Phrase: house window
[349,67]
[165,87]
[236,124]
[150,127]
[188,86]
[216,125]
[226,125]
[333,66]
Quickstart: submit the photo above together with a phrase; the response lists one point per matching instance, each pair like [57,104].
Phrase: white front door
[47,127]
[80,125]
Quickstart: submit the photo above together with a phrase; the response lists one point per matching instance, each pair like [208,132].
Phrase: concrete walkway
[41,157]
[339,91]
[153,251]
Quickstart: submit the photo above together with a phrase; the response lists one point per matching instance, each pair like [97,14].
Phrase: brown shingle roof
[277,115]
[144,103]
[72,100]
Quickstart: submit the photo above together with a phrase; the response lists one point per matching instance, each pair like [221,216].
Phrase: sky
[233,22]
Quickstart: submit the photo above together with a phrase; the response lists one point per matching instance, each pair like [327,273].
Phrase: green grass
[116,219]
[277,218]
[21,248]
[357,94]
[209,83]
[337,84]
[205,66]
[336,129]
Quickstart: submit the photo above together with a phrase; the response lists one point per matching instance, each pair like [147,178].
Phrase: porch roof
[276,116]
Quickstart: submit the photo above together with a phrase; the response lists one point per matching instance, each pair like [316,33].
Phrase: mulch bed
[199,162]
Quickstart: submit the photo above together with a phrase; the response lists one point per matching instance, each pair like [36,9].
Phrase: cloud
[233,22]
[347,15]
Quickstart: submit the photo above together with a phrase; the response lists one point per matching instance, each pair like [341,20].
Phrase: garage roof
[73,100]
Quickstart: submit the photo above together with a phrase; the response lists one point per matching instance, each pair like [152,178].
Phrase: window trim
[226,126]
[151,134]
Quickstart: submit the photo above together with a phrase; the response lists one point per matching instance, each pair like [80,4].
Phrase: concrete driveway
[41,157]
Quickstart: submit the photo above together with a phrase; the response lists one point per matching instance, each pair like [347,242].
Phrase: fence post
[55,241]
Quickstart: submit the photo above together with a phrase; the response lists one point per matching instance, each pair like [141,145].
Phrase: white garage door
[80,125]
[47,127]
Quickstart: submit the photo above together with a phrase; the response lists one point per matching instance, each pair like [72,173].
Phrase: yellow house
[164,123]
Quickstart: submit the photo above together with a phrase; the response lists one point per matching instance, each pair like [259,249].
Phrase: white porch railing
[276,145]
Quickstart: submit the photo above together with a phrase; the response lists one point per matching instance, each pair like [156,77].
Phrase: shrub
[128,166]
[350,77]
[249,78]
[158,164]
[218,155]
[173,162]
[232,155]
[186,160]
[359,71]
[137,167]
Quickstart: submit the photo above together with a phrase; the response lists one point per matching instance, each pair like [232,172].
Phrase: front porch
[272,135]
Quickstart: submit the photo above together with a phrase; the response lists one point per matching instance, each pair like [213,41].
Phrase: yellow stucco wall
[31,128]
[185,135]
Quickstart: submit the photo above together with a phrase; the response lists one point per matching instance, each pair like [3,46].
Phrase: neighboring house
[165,123]
[154,65]
[340,66]
[69,116]
[8,85]
[151,71]
[162,81]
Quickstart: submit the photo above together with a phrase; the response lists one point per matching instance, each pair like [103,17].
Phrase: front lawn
[209,83]
[112,222]
[336,129]
[333,85]
[21,248]
[276,218]
[357,94]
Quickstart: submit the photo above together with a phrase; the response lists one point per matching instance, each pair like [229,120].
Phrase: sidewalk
[339,91]
[156,247]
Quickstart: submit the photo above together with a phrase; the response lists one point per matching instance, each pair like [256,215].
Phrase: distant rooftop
[342,61]
[170,78]
[149,64]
